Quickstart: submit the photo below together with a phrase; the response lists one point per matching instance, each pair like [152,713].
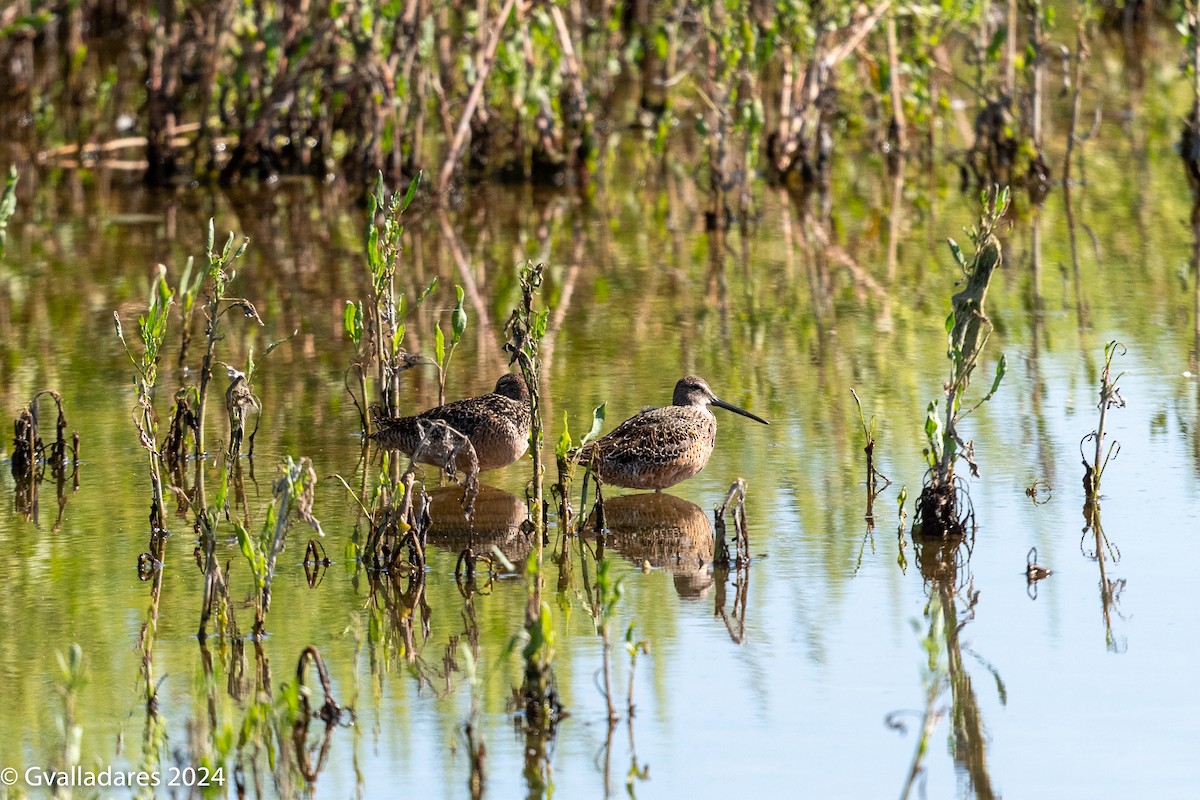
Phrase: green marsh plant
[526,328]
[220,274]
[152,330]
[293,501]
[376,328]
[943,507]
[566,458]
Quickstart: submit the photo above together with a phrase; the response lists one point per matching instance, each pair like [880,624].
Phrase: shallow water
[1086,689]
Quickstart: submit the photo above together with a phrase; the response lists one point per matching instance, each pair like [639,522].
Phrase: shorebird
[497,425]
[660,447]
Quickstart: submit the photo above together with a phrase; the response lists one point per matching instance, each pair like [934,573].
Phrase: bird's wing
[644,438]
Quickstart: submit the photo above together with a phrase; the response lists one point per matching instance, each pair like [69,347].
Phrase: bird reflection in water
[665,532]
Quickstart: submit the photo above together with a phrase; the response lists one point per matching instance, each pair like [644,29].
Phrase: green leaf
[247,547]
[212,236]
[597,423]
[348,317]
[950,322]
[412,191]
[1001,369]
[439,343]
[426,292]
[222,490]
[458,319]
[564,441]
[378,196]
[933,431]
[956,251]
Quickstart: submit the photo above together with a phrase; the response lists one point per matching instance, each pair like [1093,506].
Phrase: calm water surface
[1088,689]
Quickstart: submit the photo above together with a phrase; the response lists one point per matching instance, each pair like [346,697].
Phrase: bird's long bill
[731,407]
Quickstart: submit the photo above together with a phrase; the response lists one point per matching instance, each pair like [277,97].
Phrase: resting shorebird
[660,447]
[497,425]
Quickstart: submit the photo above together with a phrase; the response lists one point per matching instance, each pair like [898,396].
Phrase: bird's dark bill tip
[731,407]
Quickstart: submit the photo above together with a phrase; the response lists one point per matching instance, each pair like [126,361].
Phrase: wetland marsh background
[793,674]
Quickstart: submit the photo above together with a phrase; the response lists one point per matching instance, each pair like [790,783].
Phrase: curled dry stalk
[330,712]
[1110,397]
[293,500]
[30,454]
[943,507]
[240,399]
[735,500]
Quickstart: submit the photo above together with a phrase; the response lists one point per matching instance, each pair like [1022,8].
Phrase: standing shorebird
[660,447]
[497,425]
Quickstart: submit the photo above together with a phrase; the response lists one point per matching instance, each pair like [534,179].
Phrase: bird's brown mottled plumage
[497,424]
[660,447]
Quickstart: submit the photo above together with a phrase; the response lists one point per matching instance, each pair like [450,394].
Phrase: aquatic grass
[443,352]
[525,328]
[152,330]
[376,328]
[293,501]
[1110,397]
[220,273]
[528,93]
[943,507]
[873,475]
[566,458]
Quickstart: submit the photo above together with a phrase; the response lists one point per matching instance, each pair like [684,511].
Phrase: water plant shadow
[945,567]
[31,457]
